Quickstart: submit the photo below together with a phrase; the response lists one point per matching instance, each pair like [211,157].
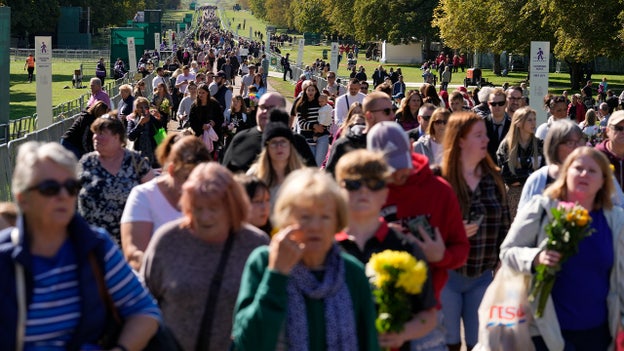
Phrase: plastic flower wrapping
[569,226]
[396,276]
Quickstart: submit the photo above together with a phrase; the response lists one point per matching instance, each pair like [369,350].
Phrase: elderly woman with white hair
[54,255]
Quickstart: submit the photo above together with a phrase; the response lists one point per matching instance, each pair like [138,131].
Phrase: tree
[278,12]
[33,16]
[398,21]
[307,16]
[582,31]
[340,15]
[258,8]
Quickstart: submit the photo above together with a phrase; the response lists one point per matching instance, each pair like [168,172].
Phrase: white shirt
[343,102]
[159,79]
[146,203]
[181,78]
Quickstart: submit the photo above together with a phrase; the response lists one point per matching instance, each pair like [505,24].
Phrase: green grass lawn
[23,94]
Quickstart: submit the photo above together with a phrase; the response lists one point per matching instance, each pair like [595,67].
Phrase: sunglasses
[426,118]
[498,103]
[440,122]
[386,111]
[356,184]
[51,187]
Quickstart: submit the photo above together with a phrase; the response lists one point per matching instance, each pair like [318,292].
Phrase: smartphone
[475,219]
[420,221]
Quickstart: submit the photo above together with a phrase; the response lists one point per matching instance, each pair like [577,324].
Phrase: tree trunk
[576,75]
[497,66]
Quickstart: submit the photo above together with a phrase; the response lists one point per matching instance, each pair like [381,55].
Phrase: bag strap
[21,297]
[203,339]
[103,291]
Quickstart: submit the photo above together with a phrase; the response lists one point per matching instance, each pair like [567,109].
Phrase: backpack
[283,61]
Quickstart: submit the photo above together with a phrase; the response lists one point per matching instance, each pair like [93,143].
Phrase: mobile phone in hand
[420,221]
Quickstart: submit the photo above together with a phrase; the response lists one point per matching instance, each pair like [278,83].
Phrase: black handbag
[163,340]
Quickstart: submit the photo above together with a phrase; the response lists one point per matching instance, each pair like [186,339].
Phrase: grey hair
[95,80]
[484,93]
[558,133]
[33,152]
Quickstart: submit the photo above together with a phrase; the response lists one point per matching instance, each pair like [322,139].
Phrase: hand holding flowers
[570,225]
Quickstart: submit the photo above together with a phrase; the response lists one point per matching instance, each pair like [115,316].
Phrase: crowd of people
[249,227]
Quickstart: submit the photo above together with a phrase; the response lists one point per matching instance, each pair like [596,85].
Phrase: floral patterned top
[103,195]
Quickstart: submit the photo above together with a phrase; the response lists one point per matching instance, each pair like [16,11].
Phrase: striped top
[54,311]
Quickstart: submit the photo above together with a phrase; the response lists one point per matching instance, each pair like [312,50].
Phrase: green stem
[549,282]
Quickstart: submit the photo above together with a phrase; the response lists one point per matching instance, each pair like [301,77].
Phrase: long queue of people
[250,229]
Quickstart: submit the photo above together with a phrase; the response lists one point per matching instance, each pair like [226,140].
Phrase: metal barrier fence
[65,54]
[8,151]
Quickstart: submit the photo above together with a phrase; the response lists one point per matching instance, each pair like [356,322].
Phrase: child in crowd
[325,113]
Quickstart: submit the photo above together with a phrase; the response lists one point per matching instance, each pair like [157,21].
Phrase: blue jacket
[93,311]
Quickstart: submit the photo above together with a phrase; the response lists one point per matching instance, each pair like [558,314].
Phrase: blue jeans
[461,298]
[320,149]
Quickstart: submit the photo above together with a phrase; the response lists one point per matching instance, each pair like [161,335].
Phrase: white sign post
[43,67]
[300,53]
[157,42]
[132,60]
[333,58]
[538,77]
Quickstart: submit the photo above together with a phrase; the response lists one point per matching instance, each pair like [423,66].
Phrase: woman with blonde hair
[354,109]
[519,154]
[467,166]
[430,144]
[583,311]
[302,292]
[277,159]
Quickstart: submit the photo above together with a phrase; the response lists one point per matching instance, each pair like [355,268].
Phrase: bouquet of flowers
[570,225]
[396,276]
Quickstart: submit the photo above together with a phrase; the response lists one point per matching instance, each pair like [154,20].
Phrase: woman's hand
[391,340]
[143,120]
[471,228]
[284,252]
[432,248]
[318,128]
[549,258]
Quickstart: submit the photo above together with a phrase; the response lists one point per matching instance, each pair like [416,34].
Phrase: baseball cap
[616,117]
[389,138]
[221,74]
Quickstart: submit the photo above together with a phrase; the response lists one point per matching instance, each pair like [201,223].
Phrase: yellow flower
[412,280]
[582,220]
[569,216]
[388,265]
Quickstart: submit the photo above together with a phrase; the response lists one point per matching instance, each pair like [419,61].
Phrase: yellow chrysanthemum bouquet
[396,276]
[570,224]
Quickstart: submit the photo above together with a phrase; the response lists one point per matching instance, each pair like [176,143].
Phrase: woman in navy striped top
[61,256]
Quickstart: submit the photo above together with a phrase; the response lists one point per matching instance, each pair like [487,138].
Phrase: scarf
[340,329]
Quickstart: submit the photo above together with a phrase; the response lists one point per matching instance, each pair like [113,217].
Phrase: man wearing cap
[376,107]
[613,146]
[343,102]
[247,144]
[223,94]
[426,204]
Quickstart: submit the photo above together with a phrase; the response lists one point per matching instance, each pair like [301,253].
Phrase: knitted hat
[390,138]
[274,130]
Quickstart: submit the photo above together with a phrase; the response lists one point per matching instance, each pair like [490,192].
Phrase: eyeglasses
[572,143]
[618,129]
[440,122]
[497,103]
[426,118]
[274,144]
[387,111]
[356,184]
[52,187]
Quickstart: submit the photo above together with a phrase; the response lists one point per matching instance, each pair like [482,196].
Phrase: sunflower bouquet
[570,224]
[396,276]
